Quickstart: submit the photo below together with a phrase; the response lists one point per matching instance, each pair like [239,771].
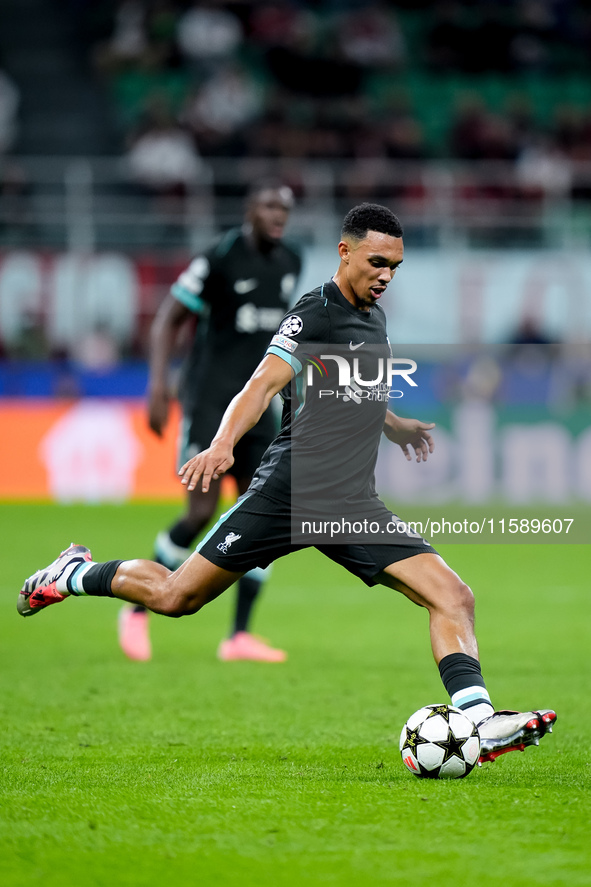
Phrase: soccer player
[238,290]
[341,430]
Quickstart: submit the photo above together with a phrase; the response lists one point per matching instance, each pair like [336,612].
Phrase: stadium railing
[89,203]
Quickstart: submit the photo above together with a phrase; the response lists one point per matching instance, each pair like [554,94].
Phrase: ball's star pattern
[451,746]
[414,739]
[442,710]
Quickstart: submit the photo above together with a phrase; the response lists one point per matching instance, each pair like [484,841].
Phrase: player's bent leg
[194,584]
[179,593]
[429,582]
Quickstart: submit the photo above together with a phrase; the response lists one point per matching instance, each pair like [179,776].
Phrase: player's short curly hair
[370,217]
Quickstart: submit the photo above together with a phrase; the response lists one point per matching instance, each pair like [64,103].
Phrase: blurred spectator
[543,170]
[371,37]
[477,134]
[308,54]
[322,79]
[403,134]
[143,38]
[128,44]
[208,35]
[162,157]
[225,104]
[467,127]
[282,23]
[531,43]
[497,139]
[9,102]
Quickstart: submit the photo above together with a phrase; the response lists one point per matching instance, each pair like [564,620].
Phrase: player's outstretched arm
[171,315]
[244,411]
[410,434]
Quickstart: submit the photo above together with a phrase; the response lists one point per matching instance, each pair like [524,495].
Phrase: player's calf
[194,584]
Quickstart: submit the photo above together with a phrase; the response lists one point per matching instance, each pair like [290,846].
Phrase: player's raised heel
[506,731]
[40,590]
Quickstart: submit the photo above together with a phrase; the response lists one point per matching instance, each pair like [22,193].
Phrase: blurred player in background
[238,290]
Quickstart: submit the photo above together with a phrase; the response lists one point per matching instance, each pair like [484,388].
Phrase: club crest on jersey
[231,537]
[291,326]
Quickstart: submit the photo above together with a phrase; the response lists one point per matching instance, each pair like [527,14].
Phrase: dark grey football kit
[237,292]
[322,462]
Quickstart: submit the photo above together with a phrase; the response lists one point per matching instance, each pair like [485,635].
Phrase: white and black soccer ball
[439,742]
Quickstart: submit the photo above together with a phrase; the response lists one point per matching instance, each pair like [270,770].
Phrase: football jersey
[327,447]
[240,295]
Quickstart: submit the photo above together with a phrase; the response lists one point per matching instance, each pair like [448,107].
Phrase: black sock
[248,590]
[458,670]
[463,681]
[97,580]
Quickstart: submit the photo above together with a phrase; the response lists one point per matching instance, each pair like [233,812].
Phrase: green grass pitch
[187,771]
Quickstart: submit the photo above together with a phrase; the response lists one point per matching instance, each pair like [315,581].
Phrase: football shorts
[258,530]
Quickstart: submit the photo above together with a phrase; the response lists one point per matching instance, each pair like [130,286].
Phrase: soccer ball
[439,742]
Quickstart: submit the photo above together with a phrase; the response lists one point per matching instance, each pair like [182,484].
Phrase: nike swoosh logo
[246,286]
[355,347]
